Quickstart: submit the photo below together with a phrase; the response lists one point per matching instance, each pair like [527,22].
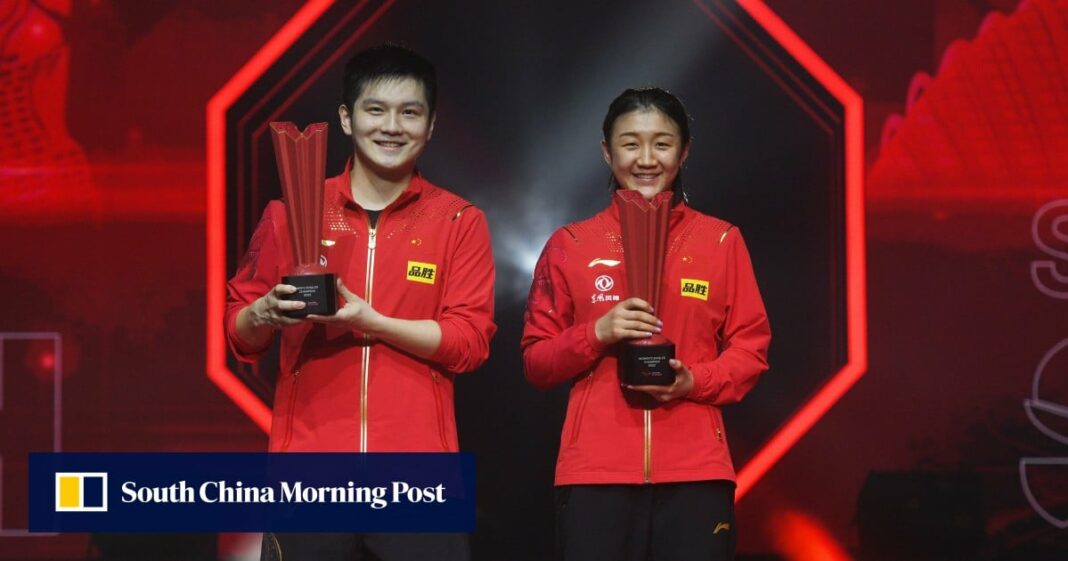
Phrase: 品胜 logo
[425,273]
[694,288]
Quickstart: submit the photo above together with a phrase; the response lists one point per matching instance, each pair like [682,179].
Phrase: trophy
[302,169]
[644,227]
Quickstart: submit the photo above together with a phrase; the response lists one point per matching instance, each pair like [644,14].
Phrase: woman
[652,481]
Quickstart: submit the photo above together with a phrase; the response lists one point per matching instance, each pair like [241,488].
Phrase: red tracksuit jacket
[712,311]
[429,257]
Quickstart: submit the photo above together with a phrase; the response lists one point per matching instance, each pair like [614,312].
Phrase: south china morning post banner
[251,492]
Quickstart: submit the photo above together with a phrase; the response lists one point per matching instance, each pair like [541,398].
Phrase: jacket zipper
[365,366]
[582,407]
[648,448]
[289,415]
[441,410]
[715,425]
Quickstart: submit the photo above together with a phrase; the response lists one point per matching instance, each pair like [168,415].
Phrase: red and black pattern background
[897,169]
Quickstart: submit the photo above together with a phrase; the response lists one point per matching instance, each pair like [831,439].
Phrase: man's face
[390,124]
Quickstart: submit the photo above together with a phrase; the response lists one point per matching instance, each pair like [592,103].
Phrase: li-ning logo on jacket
[425,273]
[605,262]
[694,288]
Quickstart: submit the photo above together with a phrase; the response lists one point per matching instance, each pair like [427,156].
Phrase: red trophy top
[302,170]
[644,226]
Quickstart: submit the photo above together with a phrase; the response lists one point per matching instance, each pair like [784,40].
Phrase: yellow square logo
[81,492]
[425,273]
[694,288]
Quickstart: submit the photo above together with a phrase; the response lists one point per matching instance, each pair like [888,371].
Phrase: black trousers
[365,547]
[691,521]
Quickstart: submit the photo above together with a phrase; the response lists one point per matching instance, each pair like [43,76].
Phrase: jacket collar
[343,189]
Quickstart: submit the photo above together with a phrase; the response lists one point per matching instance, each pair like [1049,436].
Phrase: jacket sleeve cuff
[448,342]
[703,382]
[591,339]
[242,350]
[463,346]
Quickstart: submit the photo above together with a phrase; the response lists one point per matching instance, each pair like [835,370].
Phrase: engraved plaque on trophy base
[318,292]
[645,362]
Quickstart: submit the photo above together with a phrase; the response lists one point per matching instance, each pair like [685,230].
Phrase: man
[415,273]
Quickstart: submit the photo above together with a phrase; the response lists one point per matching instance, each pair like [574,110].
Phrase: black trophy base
[318,292]
[645,362]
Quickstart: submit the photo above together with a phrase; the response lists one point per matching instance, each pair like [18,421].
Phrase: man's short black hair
[386,62]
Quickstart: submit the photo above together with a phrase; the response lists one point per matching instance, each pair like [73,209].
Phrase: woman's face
[645,151]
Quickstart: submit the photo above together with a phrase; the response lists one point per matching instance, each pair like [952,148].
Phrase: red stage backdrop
[898,169]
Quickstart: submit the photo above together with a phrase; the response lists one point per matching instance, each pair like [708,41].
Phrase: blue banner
[244,492]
